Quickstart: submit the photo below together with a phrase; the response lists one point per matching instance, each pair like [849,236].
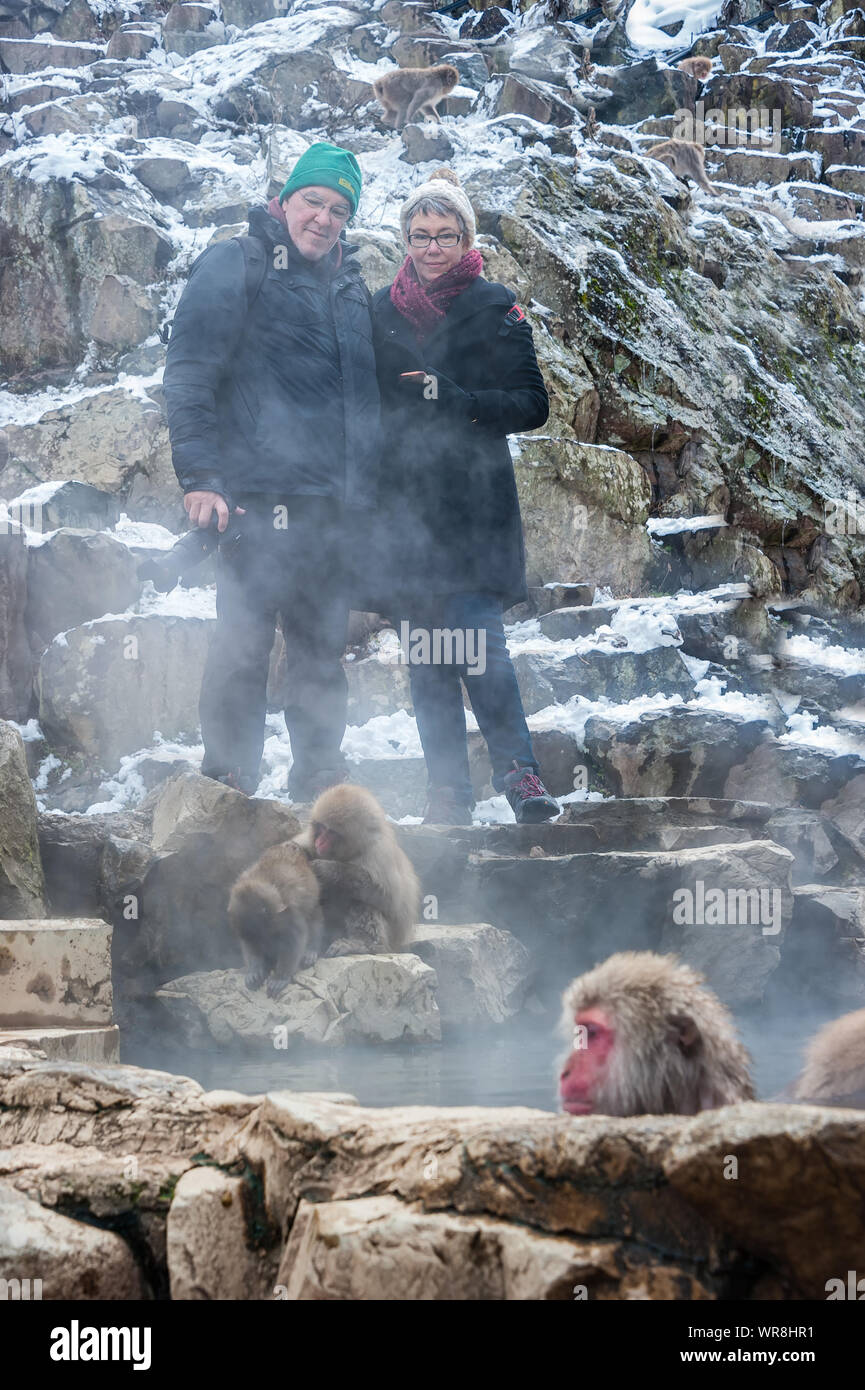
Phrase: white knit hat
[444,185]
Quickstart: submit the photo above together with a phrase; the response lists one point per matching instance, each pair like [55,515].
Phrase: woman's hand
[436,387]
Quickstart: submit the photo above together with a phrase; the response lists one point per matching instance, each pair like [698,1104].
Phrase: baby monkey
[274,909]
[698,67]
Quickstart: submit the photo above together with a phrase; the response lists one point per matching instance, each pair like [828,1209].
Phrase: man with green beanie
[273,415]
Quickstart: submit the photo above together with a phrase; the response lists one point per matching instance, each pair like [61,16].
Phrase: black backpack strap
[514,315]
[255,267]
[255,262]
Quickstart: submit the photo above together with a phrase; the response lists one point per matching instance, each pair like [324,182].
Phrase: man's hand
[201,505]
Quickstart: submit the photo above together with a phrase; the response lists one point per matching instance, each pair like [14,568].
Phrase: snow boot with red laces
[529,798]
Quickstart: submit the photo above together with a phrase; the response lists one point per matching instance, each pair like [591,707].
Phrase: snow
[384,736]
[27,409]
[803,729]
[645,18]
[147,533]
[128,787]
[30,732]
[38,494]
[63,156]
[212,71]
[363,71]
[845,660]
[673,525]
[645,622]
[177,603]
[696,667]
[47,765]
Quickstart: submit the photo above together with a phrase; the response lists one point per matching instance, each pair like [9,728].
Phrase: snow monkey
[370,895]
[649,1039]
[834,1071]
[697,67]
[274,909]
[408,92]
[685,158]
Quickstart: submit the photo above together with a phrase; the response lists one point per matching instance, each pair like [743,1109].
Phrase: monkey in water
[274,909]
[409,92]
[370,895]
[649,1039]
[699,67]
[834,1071]
[685,158]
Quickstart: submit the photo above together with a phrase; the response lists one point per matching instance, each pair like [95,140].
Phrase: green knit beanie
[328,165]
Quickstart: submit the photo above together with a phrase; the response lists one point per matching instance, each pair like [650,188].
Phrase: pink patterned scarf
[425,307]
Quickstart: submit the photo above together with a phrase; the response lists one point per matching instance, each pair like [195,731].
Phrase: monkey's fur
[409,92]
[370,895]
[676,1048]
[834,1071]
[274,909]
[699,67]
[685,158]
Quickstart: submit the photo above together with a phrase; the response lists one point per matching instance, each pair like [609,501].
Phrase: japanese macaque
[370,895]
[685,158]
[409,92]
[649,1039]
[834,1071]
[274,909]
[699,67]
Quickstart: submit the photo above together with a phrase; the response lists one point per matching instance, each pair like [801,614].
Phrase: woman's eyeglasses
[444,239]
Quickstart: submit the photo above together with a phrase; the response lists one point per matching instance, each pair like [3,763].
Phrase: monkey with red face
[649,1038]
[370,895]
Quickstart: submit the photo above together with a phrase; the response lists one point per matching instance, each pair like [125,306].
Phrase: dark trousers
[495,697]
[296,571]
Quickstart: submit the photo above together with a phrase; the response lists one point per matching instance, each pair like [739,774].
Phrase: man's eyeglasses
[339,212]
[444,239]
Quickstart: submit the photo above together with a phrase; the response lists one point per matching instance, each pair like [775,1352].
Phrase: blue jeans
[494,694]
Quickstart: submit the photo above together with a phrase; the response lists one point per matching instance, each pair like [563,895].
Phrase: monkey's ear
[685,1033]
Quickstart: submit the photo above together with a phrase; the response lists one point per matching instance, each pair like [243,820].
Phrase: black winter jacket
[282,399]
[449,515]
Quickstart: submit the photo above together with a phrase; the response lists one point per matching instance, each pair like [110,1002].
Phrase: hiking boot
[303,789]
[528,797]
[445,807]
[237,780]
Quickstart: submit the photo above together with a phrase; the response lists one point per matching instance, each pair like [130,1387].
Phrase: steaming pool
[512,1066]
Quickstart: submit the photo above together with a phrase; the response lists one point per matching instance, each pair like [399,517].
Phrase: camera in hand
[187,554]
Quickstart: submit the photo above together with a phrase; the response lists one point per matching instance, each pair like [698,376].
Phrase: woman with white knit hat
[457,373]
